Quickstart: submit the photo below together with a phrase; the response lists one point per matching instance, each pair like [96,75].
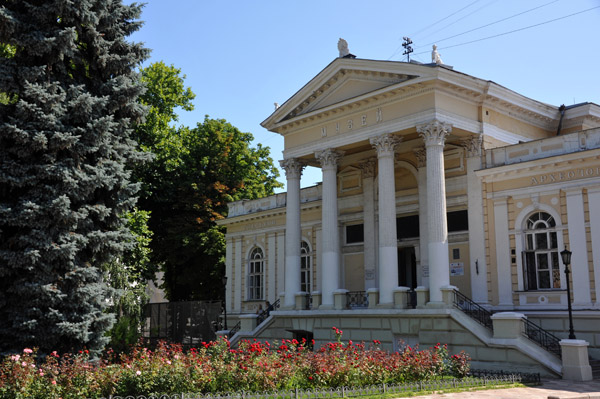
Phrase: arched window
[256,267]
[540,258]
[305,267]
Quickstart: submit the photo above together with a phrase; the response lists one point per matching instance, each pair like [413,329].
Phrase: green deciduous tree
[69,75]
[195,172]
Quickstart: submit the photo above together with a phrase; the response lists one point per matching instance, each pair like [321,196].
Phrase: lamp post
[225,301]
[566,258]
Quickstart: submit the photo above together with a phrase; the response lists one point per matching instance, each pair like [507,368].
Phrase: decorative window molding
[541,268]
[256,269]
[305,267]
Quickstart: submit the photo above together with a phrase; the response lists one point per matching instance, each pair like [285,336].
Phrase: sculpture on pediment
[343,48]
[435,56]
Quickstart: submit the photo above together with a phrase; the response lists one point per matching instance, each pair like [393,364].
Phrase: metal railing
[265,313]
[235,329]
[348,392]
[357,299]
[542,337]
[411,299]
[473,310]
[308,302]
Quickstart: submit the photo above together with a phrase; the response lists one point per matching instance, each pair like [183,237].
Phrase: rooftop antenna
[407,47]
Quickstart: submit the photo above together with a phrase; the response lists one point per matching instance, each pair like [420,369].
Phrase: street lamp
[225,301]
[566,258]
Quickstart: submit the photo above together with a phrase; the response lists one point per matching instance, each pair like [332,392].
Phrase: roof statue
[435,56]
[276,105]
[343,48]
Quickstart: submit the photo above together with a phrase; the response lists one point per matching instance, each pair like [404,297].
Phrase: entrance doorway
[407,267]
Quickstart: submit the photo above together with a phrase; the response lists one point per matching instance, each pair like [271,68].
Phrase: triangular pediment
[348,84]
[343,81]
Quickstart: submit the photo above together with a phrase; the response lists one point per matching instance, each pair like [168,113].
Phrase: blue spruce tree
[68,91]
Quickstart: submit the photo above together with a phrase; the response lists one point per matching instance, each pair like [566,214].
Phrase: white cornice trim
[502,135]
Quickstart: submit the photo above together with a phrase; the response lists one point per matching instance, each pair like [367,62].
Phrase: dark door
[407,268]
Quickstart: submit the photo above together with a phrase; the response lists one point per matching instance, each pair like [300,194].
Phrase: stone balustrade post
[300,300]
[248,322]
[373,294]
[508,325]
[401,297]
[339,299]
[422,296]
[448,295]
[316,299]
[575,360]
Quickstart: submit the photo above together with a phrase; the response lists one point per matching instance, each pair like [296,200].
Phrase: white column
[479,287]
[388,242]
[594,198]
[368,171]
[503,262]
[293,170]
[579,260]
[423,265]
[330,246]
[434,134]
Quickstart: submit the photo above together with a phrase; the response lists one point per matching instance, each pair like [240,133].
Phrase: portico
[425,190]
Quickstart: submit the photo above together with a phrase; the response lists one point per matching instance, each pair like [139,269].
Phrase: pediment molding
[345,85]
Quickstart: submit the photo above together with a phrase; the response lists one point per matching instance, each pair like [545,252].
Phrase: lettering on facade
[363,120]
[350,124]
[564,176]
[323,131]
[260,225]
[337,127]
[378,115]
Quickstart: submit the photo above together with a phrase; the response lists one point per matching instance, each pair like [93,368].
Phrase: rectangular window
[458,221]
[355,233]
[407,227]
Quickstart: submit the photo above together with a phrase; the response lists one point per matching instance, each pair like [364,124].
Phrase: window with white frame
[256,267]
[305,267]
[540,258]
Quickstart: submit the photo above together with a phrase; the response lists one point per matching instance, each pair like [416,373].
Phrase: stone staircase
[595,364]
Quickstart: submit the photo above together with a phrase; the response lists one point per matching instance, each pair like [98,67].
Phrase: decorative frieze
[293,167]
[385,144]
[434,132]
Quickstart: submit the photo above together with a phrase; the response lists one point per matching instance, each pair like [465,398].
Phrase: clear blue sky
[240,57]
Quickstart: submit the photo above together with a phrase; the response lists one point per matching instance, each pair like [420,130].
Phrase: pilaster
[578,246]
[370,258]
[478,266]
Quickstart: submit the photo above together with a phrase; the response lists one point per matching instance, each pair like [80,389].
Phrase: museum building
[438,188]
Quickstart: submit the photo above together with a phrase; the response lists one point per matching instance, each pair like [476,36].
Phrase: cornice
[370,101]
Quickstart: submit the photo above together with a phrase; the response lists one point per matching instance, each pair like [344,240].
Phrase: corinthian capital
[368,168]
[385,144]
[293,167]
[434,132]
[473,146]
[421,155]
[329,157]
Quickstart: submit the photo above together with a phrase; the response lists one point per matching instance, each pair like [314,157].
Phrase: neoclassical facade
[432,180]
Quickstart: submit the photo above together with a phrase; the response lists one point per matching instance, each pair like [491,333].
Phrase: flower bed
[215,367]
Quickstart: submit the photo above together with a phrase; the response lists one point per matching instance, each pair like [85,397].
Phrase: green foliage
[194,173]
[215,368]
[128,276]
[71,93]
